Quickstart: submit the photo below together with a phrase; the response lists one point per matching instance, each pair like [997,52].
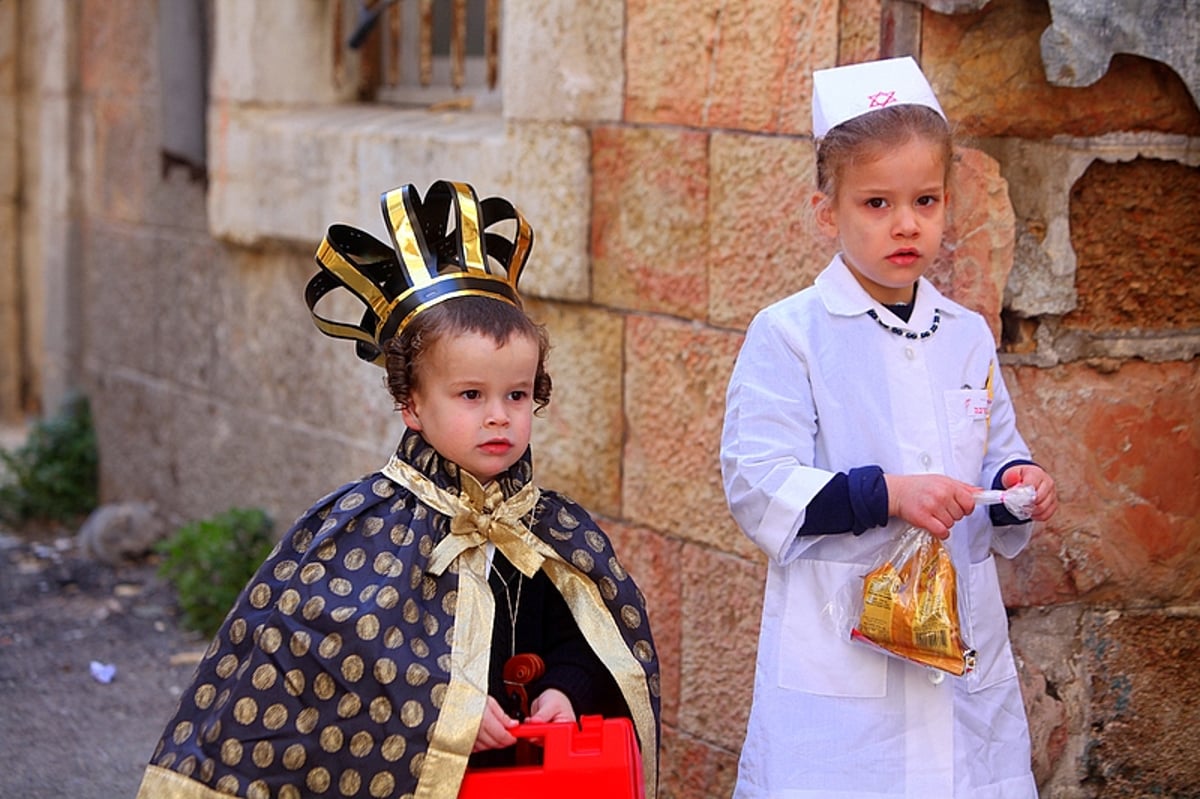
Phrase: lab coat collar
[842,295]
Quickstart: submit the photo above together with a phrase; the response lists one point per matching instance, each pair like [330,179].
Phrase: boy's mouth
[497,446]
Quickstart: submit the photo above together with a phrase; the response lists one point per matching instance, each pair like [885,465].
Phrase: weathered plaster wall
[662,152]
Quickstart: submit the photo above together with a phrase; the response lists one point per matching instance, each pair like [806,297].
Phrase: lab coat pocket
[968,417]
[813,656]
[989,629]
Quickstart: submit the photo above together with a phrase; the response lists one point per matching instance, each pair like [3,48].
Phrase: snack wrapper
[1017,500]
[907,605]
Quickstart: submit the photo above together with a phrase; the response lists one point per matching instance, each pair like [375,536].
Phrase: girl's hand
[494,728]
[933,502]
[551,705]
[1046,502]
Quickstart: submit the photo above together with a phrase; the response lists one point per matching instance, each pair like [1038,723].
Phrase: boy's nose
[497,416]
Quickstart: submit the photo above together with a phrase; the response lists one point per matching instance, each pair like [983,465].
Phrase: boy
[366,658]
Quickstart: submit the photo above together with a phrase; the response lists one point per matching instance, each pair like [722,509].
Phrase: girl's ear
[824,215]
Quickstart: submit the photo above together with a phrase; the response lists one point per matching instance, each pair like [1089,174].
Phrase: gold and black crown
[442,248]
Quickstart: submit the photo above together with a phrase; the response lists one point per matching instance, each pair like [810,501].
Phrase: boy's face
[889,217]
[473,401]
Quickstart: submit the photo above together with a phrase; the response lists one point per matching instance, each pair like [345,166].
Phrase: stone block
[577,439]
[278,52]
[668,61]
[654,561]
[124,309]
[1041,178]
[271,358]
[1135,249]
[1000,47]
[1123,446]
[692,768]
[977,249]
[574,71]
[721,610]
[858,30]
[754,62]
[1144,685]
[764,244]
[675,379]
[289,175]
[46,50]
[650,220]
[1081,41]
[118,56]
[1055,691]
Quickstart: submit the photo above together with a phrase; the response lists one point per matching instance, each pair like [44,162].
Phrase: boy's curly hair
[499,321]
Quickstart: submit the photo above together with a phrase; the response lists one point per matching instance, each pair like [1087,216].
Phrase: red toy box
[597,758]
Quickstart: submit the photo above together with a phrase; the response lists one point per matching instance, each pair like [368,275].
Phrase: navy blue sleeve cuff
[999,514]
[848,503]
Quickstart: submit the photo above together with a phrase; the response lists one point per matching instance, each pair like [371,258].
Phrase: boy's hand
[933,502]
[494,728]
[551,705]
[1046,502]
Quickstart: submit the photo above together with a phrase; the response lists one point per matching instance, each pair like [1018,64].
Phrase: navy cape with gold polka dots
[342,669]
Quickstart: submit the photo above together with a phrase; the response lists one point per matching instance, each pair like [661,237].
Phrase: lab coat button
[936,676]
[909,353]
[926,460]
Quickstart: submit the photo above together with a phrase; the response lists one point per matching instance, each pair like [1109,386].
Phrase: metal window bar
[452,30]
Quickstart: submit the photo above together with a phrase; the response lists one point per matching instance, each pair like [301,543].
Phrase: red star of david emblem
[881,99]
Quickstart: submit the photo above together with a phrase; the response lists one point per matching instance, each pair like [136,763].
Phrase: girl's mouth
[904,257]
[496,447]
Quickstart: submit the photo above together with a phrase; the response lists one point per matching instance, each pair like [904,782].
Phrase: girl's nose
[905,223]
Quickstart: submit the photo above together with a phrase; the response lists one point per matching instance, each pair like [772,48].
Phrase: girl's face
[888,217]
[473,401]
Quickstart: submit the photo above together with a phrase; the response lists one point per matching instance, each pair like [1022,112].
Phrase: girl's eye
[927,200]
[518,395]
[470,394]
[876,202]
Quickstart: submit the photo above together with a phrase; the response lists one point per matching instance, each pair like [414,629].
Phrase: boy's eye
[927,200]
[470,394]
[876,202]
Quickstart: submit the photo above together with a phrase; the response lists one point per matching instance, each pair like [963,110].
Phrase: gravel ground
[63,732]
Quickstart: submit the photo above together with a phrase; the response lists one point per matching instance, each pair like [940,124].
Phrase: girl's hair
[488,317]
[866,137]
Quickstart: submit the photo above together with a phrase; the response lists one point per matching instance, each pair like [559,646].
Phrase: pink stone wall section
[763,244]
[649,217]
[1124,446]
[675,378]
[977,250]
[744,66]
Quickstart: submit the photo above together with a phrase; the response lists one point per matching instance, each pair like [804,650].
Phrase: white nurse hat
[843,93]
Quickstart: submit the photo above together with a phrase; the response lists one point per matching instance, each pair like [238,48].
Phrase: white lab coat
[819,388]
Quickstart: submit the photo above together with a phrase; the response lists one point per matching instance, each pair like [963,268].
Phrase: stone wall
[662,152]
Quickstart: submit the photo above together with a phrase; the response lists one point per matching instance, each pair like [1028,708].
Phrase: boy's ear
[823,214]
[409,414]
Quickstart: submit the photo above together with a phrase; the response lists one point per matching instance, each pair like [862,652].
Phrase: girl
[367,657]
[861,405]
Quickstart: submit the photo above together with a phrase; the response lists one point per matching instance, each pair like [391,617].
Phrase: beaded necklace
[899,331]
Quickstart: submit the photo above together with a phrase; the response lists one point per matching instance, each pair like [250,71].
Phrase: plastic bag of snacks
[907,605]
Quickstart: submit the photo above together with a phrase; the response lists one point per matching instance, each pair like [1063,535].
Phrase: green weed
[55,474]
[210,561]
